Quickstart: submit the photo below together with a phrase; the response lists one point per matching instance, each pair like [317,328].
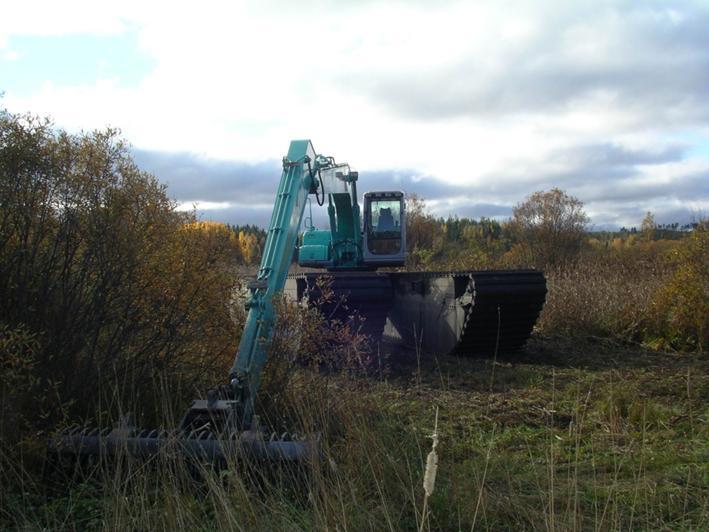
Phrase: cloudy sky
[473,105]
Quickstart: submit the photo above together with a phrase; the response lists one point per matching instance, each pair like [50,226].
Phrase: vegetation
[111,301]
[549,228]
[105,290]
[243,244]
[573,436]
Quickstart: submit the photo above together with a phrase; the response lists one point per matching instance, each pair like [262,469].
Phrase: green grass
[571,435]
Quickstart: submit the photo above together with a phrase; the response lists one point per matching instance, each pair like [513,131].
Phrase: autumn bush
[18,352]
[105,290]
[549,229]
[306,348]
[678,317]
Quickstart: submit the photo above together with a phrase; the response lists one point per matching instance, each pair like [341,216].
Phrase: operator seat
[386,220]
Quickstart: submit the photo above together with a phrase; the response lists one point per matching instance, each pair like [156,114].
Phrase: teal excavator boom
[304,173]
[300,168]
[338,249]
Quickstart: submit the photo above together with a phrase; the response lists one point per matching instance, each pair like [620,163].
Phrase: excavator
[467,313]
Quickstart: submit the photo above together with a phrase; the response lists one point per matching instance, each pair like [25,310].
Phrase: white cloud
[11,55]
[51,18]
[459,90]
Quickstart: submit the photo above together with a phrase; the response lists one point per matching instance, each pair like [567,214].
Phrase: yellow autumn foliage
[680,309]
[244,247]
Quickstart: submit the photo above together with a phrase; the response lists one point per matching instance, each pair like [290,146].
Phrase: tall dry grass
[610,296]
[569,450]
[365,480]
[655,293]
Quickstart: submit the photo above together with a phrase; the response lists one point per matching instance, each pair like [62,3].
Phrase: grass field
[581,434]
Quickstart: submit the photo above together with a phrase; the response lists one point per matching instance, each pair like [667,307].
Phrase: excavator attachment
[469,313]
[208,433]
[202,446]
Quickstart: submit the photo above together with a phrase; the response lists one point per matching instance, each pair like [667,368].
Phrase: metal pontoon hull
[473,313]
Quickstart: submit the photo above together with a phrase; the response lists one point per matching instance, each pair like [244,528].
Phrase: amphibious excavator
[478,313]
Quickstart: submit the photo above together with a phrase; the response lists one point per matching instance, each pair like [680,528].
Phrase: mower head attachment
[209,432]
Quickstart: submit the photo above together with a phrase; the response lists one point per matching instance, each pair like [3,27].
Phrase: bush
[114,288]
[304,338]
[679,315]
[18,348]
[550,229]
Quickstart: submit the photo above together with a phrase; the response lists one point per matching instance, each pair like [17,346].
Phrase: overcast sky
[473,105]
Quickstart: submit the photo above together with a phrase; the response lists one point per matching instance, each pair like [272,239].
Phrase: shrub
[679,315]
[96,266]
[18,349]
[550,229]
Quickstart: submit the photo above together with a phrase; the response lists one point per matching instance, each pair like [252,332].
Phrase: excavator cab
[384,232]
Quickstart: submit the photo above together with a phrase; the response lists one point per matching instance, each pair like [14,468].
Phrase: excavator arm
[224,424]
[299,178]
[304,173]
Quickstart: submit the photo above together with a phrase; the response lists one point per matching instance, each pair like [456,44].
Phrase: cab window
[384,231]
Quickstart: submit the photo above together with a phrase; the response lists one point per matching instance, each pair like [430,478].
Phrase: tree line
[243,243]
[548,229]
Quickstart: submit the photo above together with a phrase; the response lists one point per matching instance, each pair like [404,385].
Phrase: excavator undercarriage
[467,313]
